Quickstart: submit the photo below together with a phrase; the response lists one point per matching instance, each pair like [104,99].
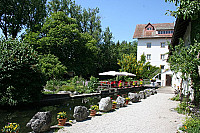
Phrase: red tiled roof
[141,32]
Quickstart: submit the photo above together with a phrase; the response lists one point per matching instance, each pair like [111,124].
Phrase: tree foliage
[184,59]
[188,9]
[87,20]
[20,81]
[51,67]
[18,14]
[141,68]
[61,37]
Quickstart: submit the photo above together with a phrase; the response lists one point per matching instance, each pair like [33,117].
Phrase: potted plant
[93,109]
[61,117]
[127,100]
[114,104]
[11,128]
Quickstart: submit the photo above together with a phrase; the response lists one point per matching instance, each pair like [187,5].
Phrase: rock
[134,97]
[155,91]
[142,95]
[62,92]
[151,91]
[120,101]
[81,113]
[40,122]
[75,93]
[105,104]
[147,92]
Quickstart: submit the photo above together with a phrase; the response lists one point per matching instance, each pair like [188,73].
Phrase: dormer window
[149,28]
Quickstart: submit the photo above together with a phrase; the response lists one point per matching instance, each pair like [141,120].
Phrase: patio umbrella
[112,73]
[125,74]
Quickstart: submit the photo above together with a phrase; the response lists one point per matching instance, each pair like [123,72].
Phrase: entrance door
[168,80]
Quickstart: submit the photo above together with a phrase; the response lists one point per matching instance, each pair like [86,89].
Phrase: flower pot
[92,112]
[13,132]
[61,122]
[127,101]
[113,106]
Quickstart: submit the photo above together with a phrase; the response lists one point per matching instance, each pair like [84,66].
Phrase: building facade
[153,42]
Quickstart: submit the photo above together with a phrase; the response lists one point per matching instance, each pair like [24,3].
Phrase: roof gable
[141,32]
[149,25]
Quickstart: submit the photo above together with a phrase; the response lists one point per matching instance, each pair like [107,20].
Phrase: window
[149,28]
[148,56]
[162,56]
[162,66]
[148,45]
[165,32]
[162,44]
[148,68]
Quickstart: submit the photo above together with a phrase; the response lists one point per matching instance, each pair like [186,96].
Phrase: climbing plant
[184,59]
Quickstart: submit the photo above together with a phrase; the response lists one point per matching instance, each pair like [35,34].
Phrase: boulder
[147,92]
[40,122]
[151,91]
[81,113]
[105,104]
[142,95]
[120,101]
[155,91]
[134,97]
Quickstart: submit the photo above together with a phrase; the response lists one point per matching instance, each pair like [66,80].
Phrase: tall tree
[61,37]
[18,14]
[86,19]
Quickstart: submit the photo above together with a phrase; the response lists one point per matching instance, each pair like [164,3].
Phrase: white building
[153,41]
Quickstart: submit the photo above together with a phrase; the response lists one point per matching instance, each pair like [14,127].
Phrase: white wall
[186,85]
[155,50]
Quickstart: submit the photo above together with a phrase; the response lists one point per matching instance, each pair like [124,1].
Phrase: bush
[191,125]
[51,67]
[67,88]
[20,79]
[176,98]
[183,108]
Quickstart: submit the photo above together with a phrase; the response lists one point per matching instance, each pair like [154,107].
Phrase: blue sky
[122,16]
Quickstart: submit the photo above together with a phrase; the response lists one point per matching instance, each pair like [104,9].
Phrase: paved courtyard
[152,115]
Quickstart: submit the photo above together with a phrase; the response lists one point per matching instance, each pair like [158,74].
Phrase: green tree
[107,53]
[141,68]
[186,60]
[18,14]
[20,80]
[188,9]
[86,19]
[61,37]
[51,67]
[127,48]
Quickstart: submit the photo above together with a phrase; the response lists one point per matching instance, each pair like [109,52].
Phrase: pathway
[151,115]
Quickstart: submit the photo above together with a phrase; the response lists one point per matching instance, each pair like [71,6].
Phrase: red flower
[111,98]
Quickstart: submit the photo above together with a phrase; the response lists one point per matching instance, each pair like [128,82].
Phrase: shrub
[67,88]
[182,108]
[191,125]
[51,67]
[176,98]
[20,79]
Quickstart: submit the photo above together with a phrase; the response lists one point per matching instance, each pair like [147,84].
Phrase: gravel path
[151,115]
